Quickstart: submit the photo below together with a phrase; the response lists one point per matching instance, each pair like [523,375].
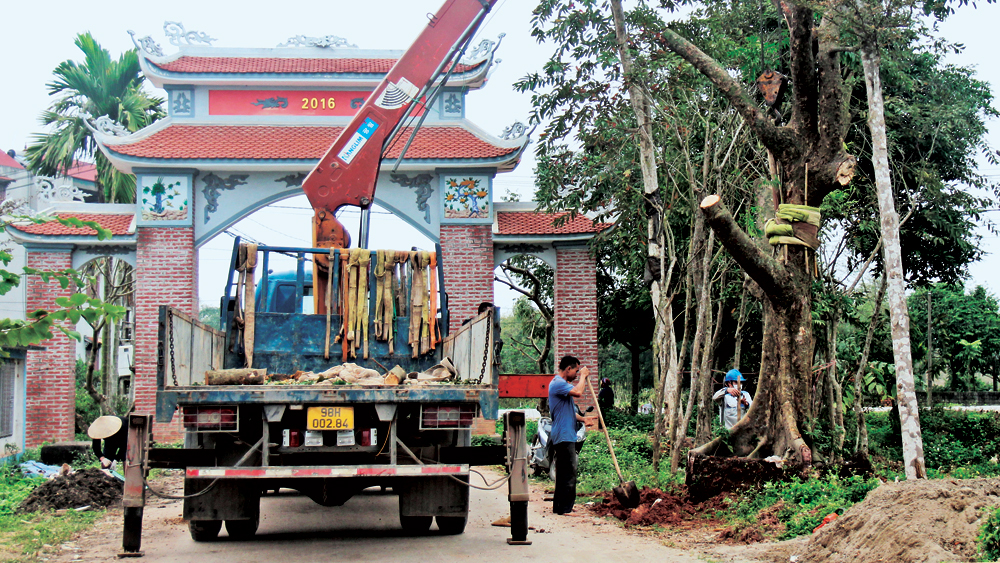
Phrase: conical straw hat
[104,427]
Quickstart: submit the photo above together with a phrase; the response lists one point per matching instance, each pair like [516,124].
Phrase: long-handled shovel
[627,493]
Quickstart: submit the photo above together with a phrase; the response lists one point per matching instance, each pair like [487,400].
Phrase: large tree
[99,86]
[812,162]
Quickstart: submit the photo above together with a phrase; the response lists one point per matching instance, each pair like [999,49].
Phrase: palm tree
[99,86]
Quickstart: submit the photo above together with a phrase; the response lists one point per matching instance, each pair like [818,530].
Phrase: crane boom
[347,174]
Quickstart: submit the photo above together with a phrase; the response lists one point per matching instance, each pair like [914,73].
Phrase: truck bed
[168,399]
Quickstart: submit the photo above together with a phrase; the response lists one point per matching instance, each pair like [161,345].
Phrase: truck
[332,439]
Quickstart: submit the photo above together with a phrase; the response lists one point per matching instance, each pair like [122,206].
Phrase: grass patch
[802,505]
[23,536]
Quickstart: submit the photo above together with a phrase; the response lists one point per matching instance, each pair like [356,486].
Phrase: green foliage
[804,504]
[989,536]
[957,443]
[210,316]
[626,422]
[99,86]
[965,328]
[14,487]
[38,325]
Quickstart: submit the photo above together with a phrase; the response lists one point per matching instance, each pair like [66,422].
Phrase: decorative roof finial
[146,44]
[176,33]
[514,131]
[322,42]
[105,125]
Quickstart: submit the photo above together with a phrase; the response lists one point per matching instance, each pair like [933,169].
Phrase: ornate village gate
[244,128]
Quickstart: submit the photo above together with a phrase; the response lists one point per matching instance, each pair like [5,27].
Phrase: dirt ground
[921,521]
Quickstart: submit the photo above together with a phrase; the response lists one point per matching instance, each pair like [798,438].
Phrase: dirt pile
[90,487]
[925,521]
[667,509]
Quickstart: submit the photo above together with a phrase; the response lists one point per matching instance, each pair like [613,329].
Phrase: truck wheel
[204,530]
[451,525]
[242,529]
[415,524]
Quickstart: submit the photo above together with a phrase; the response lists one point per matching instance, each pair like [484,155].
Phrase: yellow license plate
[330,418]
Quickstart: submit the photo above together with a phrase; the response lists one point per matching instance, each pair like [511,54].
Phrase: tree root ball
[90,487]
[709,476]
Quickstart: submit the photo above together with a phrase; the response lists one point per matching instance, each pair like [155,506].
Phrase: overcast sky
[37,36]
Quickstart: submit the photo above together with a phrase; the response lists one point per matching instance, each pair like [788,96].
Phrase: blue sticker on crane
[358,140]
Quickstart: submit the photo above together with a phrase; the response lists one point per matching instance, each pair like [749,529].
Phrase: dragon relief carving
[421,184]
[214,185]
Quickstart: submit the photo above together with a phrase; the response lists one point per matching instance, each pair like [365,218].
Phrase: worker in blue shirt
[563,435]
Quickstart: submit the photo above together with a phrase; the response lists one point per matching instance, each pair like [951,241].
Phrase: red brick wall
[576,312]
[467,252]
[165,275]
[51,375]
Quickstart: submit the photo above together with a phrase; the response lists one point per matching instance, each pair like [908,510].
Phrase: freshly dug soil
[925,521]
[90,487]
[665,509]
[709,476]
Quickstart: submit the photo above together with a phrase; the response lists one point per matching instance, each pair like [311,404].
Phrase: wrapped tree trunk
[812,160]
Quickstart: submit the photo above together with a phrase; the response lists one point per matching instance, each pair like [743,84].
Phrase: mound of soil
[90,487]
[667,509]
[926,521]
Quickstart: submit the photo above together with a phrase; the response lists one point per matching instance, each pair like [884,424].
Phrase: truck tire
[451,525]
[415,524]
[240,530]
[204,530]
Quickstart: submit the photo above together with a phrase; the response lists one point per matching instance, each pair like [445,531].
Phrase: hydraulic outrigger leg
[134,495]
[517,464]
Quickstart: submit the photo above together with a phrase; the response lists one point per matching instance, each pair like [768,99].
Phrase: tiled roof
[269,142]
[83,171]
[6,179]
[532,223]
[7,160]
[276,65]
[117,223]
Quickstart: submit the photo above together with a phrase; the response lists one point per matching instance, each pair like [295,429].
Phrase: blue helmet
[734,375]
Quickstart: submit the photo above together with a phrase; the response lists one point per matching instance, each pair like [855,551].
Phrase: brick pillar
[575,304]
[165,275]
[467,252]
[51,373]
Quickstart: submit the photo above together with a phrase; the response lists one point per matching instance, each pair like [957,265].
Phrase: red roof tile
[6,179]
[531,223]
[118,224]
[83,171]
[268,142]
[276,65]
[7,160]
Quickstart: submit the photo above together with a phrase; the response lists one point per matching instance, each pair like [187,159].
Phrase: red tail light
[451,416]
[210,419]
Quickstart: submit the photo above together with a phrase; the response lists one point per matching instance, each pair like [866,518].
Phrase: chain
[170,327]
[486,347]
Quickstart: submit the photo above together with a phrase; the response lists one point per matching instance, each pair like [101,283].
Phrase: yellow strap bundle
[246,264]
[794,224]
[364,258]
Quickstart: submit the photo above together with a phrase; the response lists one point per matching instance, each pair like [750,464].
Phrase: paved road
[294,529]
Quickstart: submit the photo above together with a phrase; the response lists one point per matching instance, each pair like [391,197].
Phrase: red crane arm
[347,173]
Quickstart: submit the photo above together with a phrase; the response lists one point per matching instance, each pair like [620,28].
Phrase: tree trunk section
[909,414]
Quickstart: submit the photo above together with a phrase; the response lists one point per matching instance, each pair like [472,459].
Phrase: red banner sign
[285,102]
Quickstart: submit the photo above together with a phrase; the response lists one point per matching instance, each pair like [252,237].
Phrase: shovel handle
[604,427]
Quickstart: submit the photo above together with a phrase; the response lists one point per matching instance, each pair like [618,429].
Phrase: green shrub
[15,487]
[989,537]
[953,439]
[621,420]
[804,503]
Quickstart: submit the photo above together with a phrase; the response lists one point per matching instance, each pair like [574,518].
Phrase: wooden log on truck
[243,376]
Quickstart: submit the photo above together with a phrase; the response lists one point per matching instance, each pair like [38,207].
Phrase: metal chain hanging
[170,328]
[486,347]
